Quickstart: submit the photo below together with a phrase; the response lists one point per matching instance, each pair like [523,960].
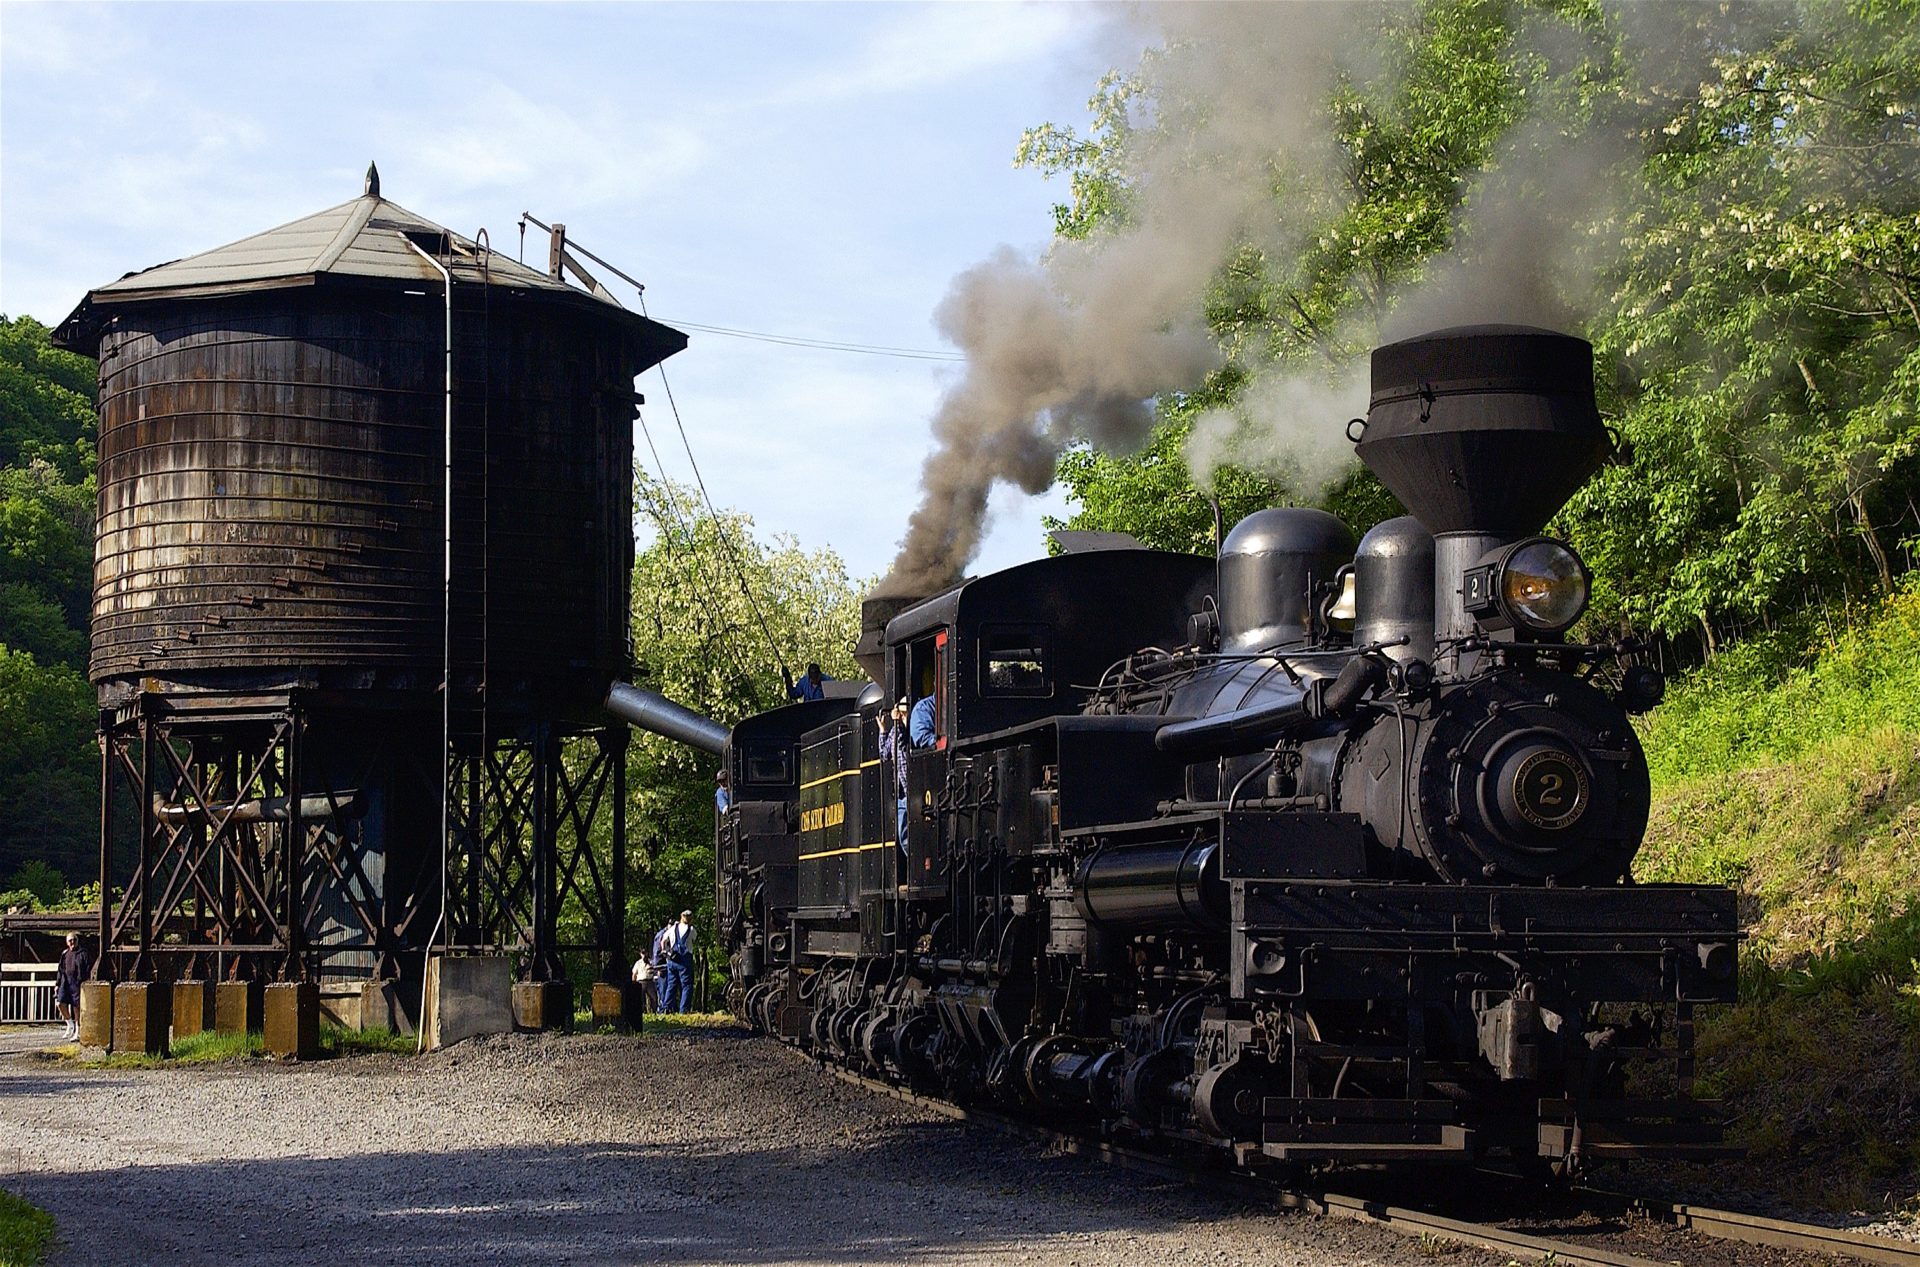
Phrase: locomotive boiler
[1315,852]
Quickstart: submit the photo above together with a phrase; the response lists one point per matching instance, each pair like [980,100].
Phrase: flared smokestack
[1484,429]
[871,651]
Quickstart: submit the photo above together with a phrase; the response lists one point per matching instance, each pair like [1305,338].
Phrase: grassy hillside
[1800,785]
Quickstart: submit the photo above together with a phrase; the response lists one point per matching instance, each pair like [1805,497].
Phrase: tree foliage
[1748,279]
[48,760]
[1764,328]
[717,610]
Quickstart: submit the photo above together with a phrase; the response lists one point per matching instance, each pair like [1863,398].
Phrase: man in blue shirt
[920,724]
[722,793]
[810,687]
[658,956]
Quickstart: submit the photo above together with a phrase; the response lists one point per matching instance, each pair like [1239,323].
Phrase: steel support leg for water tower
[107,759]
[544,957]
[614,744]
[293,846]
[142,959]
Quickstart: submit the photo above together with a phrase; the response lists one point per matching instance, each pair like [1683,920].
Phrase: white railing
[26,993]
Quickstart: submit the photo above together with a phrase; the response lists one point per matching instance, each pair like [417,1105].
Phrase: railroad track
[1722,1225]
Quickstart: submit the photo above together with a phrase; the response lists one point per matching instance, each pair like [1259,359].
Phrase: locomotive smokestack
[871,651]
[1484,429]
[1483,432]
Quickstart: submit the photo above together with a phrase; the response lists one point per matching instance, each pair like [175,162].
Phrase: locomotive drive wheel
[1227,1099]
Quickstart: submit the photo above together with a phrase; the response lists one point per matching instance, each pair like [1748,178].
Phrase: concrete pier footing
[291,1024]
[236,1007]
[619,1007]
[467,995]
[192,1008]
[96,1015]
[542,1005]
[142,1015]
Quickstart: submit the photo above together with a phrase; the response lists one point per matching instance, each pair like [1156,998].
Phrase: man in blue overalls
[677,941]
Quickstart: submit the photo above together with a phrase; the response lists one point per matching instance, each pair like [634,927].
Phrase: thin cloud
[500,138]
[937,45]
[58,39]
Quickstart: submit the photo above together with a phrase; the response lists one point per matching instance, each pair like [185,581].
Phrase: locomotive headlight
[1538,584]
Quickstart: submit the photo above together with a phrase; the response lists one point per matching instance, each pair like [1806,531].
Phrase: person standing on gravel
[643,977]
[75,965]
[677,940]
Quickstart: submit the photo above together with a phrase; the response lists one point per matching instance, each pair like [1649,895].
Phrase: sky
[813,170]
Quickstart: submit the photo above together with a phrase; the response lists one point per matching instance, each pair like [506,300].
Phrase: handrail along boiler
[1317,852]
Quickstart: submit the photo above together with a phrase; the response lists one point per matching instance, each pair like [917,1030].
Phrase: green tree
[46,401]
[49,766]
[48,761]
[1757,254]
[46,885]
[1765,328]
[717,610]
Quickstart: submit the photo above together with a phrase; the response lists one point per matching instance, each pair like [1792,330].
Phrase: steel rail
[1410,1223]
[1756,1229]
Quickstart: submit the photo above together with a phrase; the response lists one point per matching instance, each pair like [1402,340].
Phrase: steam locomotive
[1316,852]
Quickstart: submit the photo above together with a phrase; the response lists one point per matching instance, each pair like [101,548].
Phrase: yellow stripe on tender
[828,778]
[834,853]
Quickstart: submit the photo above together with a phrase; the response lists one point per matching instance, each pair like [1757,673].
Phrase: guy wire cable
[720,526]
[708,592]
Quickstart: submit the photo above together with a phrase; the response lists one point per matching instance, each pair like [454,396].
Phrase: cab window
[767,761]
[1014,660]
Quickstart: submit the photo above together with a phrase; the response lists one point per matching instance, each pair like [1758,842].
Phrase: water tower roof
[365,240]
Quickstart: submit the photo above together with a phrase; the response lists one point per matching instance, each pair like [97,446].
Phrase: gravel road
[706,1147]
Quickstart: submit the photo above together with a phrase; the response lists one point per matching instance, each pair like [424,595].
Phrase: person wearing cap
[893,748]
[677,940]
[722,792]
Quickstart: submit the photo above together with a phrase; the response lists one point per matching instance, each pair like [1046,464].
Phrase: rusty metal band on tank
[354,470]
[1318,853]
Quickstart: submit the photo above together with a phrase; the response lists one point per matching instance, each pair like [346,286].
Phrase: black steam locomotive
[1314,852]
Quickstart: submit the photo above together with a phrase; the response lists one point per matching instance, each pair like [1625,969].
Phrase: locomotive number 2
[1550,789]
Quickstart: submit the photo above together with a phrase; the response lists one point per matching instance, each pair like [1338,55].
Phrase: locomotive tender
[1316,852]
